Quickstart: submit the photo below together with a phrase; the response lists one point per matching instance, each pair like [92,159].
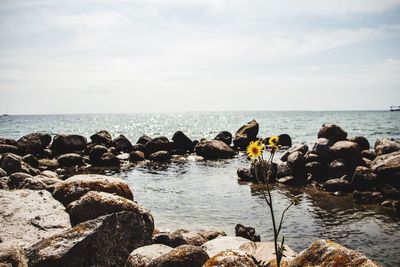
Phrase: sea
[197,195]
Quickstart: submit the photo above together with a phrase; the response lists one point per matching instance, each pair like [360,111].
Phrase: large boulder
[386,146]
[8,149]
[265,251]
[364,179]
[225,137]
[121,143]
[332,132]
[388,169]
[33,143]
[346,150]
[95,204]
[11,163]
[12,255]
[30,216]
[214,149]
[70,160]
[361,141]
[20,180]
[102,137]
[245,134]
[328,253]
[181,141]
[141,257]
[157,144]
[231,258]
[70,143]
[222,243]
[76,186]
[182,256]
[297,161]
[105,241]
[300,147]
[322,149]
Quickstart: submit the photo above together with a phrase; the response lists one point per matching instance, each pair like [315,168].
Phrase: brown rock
[11,163]
[338,184]
[137,156]
[182,256]
[386,146]
[346,150]
[8,149]
[245,134]
[121,143]
[33,143]
[142,256]
[70,143]
[364,179]
[332,132]
[20,180]
[361,141]
[70,160]
[102,137]
[214,149]
[12,255]
[231,258]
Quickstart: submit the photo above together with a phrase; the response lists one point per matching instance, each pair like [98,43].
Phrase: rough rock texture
[231,258]
[214,149]
[296,160]
[182,256]
[388,169]
[301,148]
[367,197]
[328,253]
[7,141]
[31,160]
[20,180]
[247,232]
[245,175]
[12,255]
[245,134]
[180,237]
[63,144]
[105,241]
[95,204]
[386,146]
[33,143]
[76,186]
[48,163]
[8,149]
[346,150]
[265,251]
[322,149]
[70,160]
[225,137]
[121,143]
[11,163]
[27,216]
[364,179]
[181,141]
[140,257]
[332,132]
[222,243]
[101,138]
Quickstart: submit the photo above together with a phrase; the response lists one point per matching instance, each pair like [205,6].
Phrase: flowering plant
[263,174]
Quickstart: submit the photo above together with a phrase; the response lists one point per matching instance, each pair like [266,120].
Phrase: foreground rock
[95,204]
[386,146]
[94,243]
[328,253]
[231,258]
[388,169]
[214,149]
[246,134]
[76,186]
[12,255]
[182,256]
[29,216]
[222,243]
[141,257]
[185,237]
[265,251]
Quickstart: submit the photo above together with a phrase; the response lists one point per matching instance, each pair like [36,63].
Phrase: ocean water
[206,194]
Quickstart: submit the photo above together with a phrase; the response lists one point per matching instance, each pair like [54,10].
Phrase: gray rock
[142,256]
[29,216]
[105,241]
[12,255]
[33,143]
[386,146]
[214,149]
[332,132]
[182,256]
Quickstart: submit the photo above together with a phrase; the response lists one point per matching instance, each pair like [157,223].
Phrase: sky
[120,56]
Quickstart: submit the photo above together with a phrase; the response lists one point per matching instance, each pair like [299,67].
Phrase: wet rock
[322,149]
[8,149]
[48,163]
[70,160]
[169,239]
[245,134]
[389,192]
[71,143]
[270,174]
[142,256]
[31,160]
[181,141]
[94,243]
[231,258]
[102,138]
[297,161]
[361,141]
[338,168]
[2,173]
[388,169]
[285,140]
[11,163]
[95,154]
[182,256]
[369,154]
[311,157]
[222,243]
[247,232]
[317,170]
[12,255]
[20,180]
[332,132]
[144,139]
[121,143]
[214,149]
[30,216]
[95,204]
[297,148]
[338,184]
[160,156]
[225,137]
[284,169]
[346,150]
[157,144]
[33,143]
[211,234]
[76,186]
[364,179]
[6,141]
[386,146]
[137,156]
[328,253]
[245,175]
[108,159]
[264,252]
[138,147]
[367,197]
[288,180]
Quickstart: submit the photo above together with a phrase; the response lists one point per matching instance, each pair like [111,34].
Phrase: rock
[31,160]
[105,241]
[389,192]
[369,154]
[317,171]
[181,141]
[222,243]
[338,168]
[367,197]
[123,156]
[169,239]
[245,134]
[48,163]
[285,140]
[332,132]
[328,253]
[346,150]
[30,216]
[50,174]
[388,169]
[2,173]
[144,139]
[121,143]
[157,144]
[338,184]
[386,146]
[8,149]
[311,157]
[247,232]
[191,238]
[6,141]
[214,149]
[160,156]
[245,175]
[265,251]
[70,160]
[225,137]
[102,138]
[96,153]
[231,258]
[322,149]
[361,141]
[364,179]
[182,256]
[301,148]
[141,257]
[33,143]
[108,159]
[76,186]
[137,156]
[284,169]
[288,180]
[297,161]
[11,163]
[211,234]
[138,147]
[12,255]
[95,204]
[270,174]
[20,180]
[71,143]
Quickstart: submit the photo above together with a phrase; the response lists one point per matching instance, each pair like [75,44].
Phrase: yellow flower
[254,149]
[273,142]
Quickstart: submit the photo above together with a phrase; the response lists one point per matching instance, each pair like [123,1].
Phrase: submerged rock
[338,184]
[214,149]
[33,143]
[105,241]
[367,197]
[332,132]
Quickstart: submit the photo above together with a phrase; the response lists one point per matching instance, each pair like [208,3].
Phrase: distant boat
[394,108]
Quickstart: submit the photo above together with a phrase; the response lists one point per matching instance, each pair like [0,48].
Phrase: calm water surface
[206,194]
